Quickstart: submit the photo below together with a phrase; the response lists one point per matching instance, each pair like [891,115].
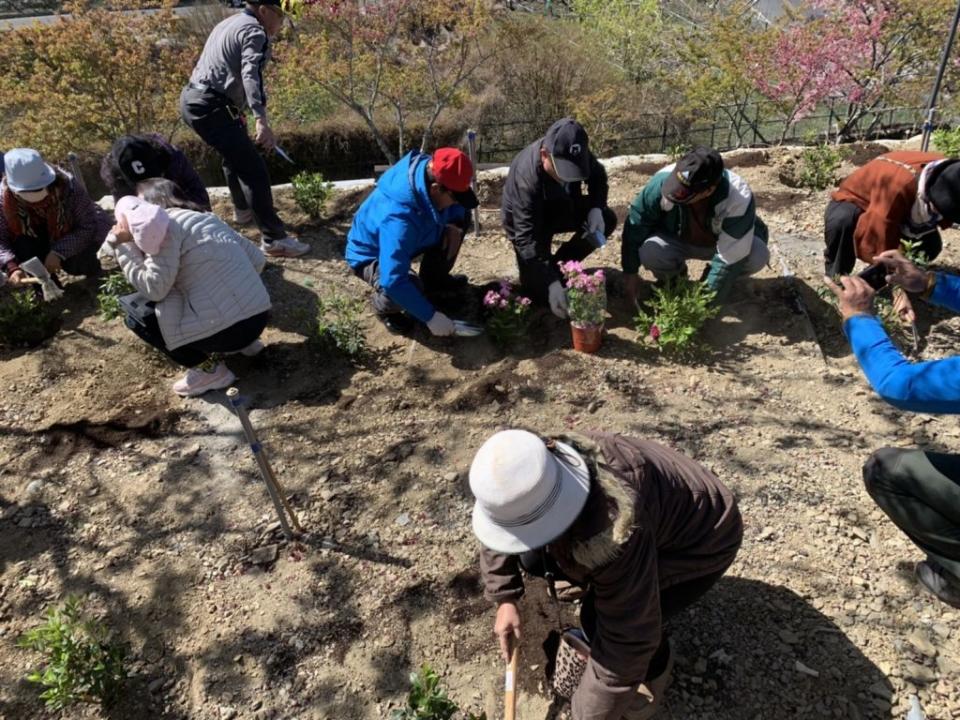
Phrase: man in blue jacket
[918,490]
[418,208]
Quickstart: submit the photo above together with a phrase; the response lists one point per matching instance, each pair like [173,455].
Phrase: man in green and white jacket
[695,209]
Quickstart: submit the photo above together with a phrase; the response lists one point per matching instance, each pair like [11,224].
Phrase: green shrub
[112,288]
[25,320]
[428,701]
[678,150]
[311,192]
[675,315]
[339,325]
[947,141]
[818,166]
[83,663]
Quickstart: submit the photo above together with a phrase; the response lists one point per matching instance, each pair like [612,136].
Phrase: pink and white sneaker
[198,381]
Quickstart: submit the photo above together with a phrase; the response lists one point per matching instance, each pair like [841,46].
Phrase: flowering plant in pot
[508,313]
[586,304]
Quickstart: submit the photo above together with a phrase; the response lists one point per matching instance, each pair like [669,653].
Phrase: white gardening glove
[595,221]
[558,299]
[441,325]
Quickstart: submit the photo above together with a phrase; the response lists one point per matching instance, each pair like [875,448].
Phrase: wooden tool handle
[510,683]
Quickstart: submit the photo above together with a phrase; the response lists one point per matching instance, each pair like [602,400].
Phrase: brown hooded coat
[654,519]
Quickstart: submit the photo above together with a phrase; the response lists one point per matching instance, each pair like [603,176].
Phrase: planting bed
[113,487]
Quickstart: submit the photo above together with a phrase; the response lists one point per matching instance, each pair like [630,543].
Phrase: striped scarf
[47,218]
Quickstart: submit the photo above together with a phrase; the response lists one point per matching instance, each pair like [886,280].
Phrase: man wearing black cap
[135,158]
[695,209]
[543,196]
[227,80]
[906,194]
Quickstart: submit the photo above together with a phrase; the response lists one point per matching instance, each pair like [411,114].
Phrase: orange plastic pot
[586,338]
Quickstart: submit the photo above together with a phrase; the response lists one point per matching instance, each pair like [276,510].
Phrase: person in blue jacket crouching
[420,207]
[918,490]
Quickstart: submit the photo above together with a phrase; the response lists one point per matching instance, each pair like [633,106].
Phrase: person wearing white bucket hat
[45,213]
[643,531]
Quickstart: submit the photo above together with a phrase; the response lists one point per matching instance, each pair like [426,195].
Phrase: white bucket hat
[26,171]
[526,494]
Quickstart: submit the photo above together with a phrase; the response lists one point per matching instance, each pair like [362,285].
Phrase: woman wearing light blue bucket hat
[46,214]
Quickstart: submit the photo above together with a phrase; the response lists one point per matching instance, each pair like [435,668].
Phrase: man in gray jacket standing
[228,80]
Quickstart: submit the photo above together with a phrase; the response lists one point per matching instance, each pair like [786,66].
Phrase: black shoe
[938,581]
[398,323]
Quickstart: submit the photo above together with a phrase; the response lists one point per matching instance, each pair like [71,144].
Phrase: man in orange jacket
[897,195]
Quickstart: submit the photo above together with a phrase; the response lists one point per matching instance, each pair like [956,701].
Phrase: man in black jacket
[542,196]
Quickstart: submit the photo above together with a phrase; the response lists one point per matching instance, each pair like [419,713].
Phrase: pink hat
[148,222]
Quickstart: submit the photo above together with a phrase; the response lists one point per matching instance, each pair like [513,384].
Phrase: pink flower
[654,332]
[491,299]
[525,301]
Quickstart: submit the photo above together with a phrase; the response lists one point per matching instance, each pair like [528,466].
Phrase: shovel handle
[510,684]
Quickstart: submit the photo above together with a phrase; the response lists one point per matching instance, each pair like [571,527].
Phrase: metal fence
[724,128]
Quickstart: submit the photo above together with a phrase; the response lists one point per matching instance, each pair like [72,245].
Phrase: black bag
[138,308]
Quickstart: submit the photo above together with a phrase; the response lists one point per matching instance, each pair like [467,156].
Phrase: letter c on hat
[138,167]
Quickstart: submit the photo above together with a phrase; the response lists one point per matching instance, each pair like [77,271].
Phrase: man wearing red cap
[420,207]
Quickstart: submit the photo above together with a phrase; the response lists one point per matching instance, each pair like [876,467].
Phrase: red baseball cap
[453,169]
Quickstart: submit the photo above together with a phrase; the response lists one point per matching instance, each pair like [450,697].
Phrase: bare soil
[151,506]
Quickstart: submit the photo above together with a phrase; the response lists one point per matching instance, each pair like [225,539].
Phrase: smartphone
[875,276]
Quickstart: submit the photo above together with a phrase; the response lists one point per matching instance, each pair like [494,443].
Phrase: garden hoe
[51,291]
[277,493]
[510,683]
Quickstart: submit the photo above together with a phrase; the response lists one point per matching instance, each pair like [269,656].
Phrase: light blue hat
[26,171]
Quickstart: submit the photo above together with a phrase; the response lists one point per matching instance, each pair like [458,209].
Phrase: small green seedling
[818,166]
[113,287]
[339,325]
[83,664]
[311,192]
[25,320]
[428,701]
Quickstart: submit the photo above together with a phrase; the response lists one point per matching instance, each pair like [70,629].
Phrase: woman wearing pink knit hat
[199,293]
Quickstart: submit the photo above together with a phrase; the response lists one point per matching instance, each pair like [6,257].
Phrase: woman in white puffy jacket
[200,279]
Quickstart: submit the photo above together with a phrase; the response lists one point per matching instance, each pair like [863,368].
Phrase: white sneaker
[243,217]
[254,348]
[198,381]
[284,247]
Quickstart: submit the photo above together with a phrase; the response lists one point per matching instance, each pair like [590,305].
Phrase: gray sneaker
[940,582]
[284,247]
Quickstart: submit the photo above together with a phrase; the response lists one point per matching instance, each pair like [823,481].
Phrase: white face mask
[33,196]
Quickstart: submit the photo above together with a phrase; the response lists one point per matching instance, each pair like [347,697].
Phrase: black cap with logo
[138,159]
[567,143]
[695,172]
